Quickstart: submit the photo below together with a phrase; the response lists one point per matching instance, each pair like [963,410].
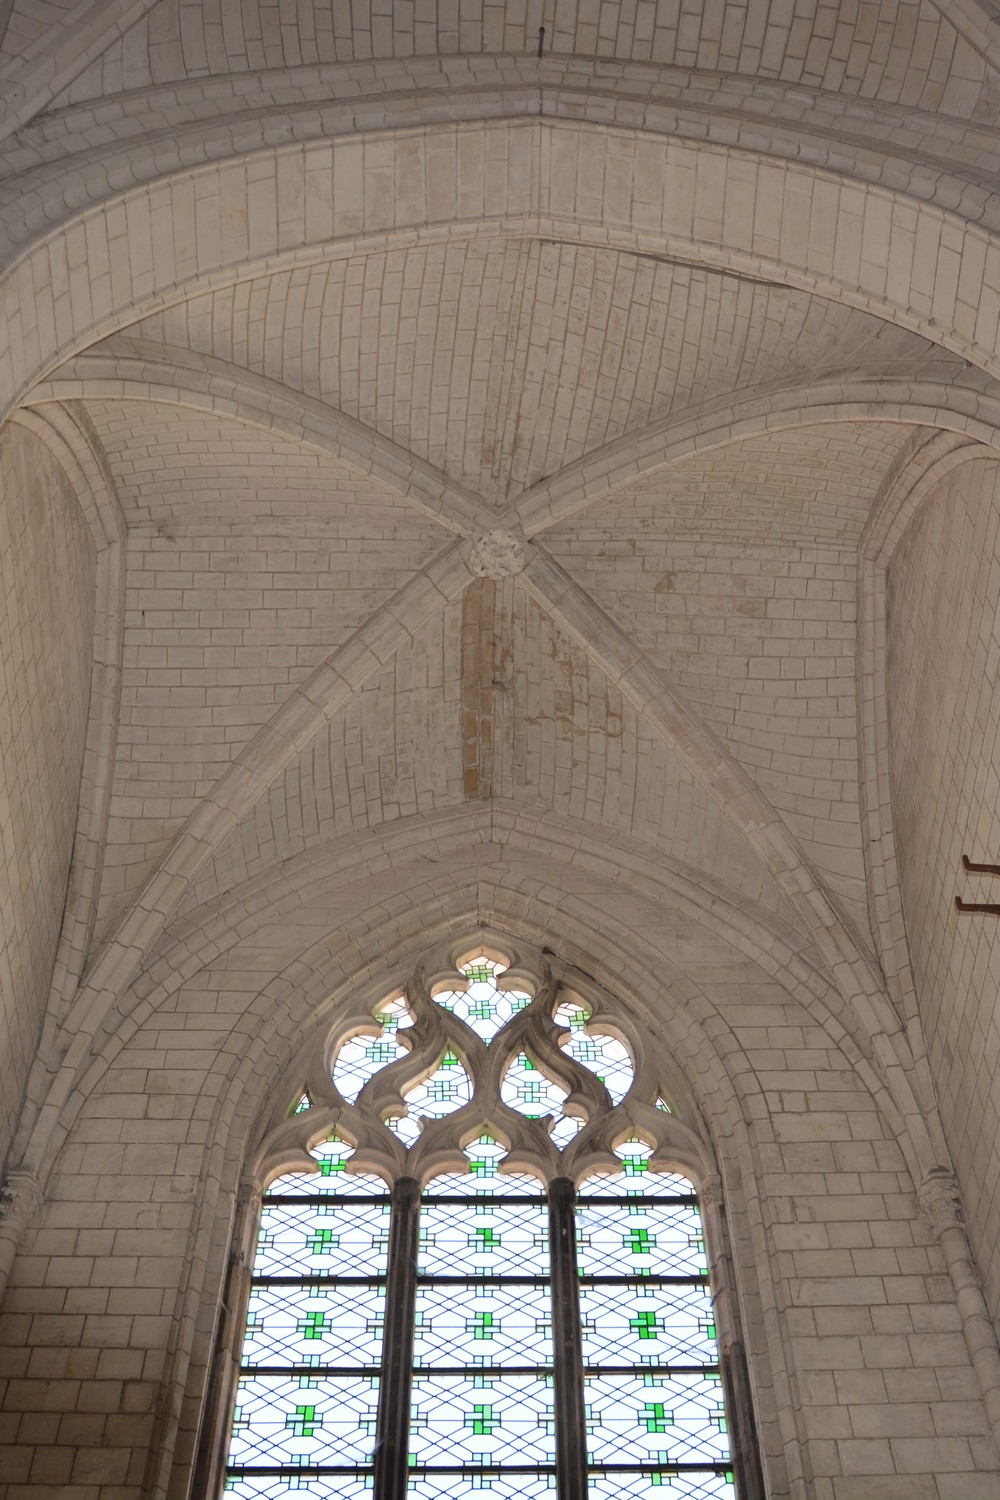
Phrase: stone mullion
[393,1421]
[567,1344]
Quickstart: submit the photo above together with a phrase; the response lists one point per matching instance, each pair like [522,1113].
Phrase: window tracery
[481,1266]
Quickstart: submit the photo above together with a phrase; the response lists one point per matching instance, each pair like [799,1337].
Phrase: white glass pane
[486,1325]
[666,1486]
[504,1239]
[655,1418]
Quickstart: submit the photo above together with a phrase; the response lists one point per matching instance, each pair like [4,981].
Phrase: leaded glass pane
[661,1486]
[636,1179]
[605,1056]
[445,1090]
[484,1239]
[483,1325]
[483,1006]
[361,1057]
[322,1239]
[484,1175]
[482,1419]
[503,1185]
[481,1486]
[308,1391]
[356,1486]
[639,1239]
[645,1304]
[483,1393]
[333,1175]
[528,1090]
[647,1324]
[314,1324]
[655,1418]
[303,1420]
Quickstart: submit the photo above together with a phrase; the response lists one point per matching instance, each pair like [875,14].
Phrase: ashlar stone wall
[943,642]
[864,1383]
[47,588]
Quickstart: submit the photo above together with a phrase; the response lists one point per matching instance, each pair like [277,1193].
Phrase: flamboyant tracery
[487,1273]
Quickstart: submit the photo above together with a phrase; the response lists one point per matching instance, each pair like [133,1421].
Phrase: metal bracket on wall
[990,908]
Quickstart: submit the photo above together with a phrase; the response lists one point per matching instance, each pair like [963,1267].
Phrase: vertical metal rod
[392,1424]
[567,1344]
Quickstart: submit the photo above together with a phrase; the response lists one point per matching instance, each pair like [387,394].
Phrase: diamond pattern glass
[605,1056]
[333,1175]
[308,1390]
[356,1486]
[647,1324]
[636,1179]
[491,1325]
[661,1486]
[484,1239]
[655,1418]
[527,1089]
[303,1420]
[484,1175]
[640,1239]
[305,1325]
[445,1090]
[322,1239]
[483,1386]
[483,1006]
[482,1419]
[652,1390]
[361,1057]
[497,1486]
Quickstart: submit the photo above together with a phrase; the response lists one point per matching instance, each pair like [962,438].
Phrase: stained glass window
[540,1310]
[307,1399]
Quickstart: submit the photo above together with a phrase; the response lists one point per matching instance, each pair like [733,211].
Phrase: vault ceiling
[297,453]
[498,363]
[901,51]
[502,361]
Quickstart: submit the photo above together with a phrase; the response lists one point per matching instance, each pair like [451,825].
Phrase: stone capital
[249,1197]
[941,1202]
[20,1198]
[710,1192]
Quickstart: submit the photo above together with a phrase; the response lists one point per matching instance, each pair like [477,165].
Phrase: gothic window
[488,1274]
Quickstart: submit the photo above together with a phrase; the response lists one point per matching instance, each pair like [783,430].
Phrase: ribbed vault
[531,468]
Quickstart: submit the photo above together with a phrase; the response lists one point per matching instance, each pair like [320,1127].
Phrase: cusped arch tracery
[485,1046]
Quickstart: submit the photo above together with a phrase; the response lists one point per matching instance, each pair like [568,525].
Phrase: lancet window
[483,1267]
